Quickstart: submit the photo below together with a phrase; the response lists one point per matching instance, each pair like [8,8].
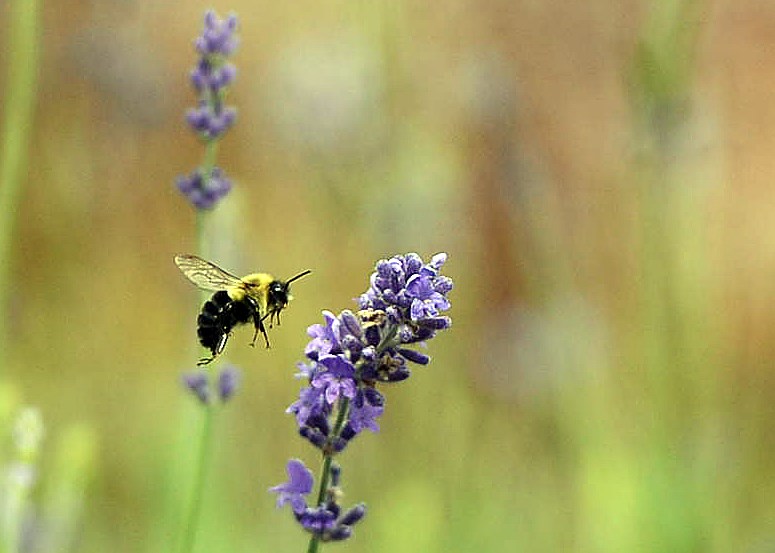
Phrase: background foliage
[600,174]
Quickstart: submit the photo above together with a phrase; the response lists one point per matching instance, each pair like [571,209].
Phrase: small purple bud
[340,533]
[336,473]
[338,444]
[314,436]
[414,356]
[199,79]
[211,19]
[197,383]
[198,119]
[397,375]
[228,382]
[393,314]
[413,263]
[354,515]
[348,432]
[320,422]
[372,336]
[353,345]
[351,323]
[373,397]
[224,76]
[437,323]
[383,268]
[443,285]
[438,260]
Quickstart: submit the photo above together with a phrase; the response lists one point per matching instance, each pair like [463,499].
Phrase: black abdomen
[220,314]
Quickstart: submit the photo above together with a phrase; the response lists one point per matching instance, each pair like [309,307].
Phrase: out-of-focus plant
[20,475]
[41,522]
[18,105]
[349,356]
[204,188]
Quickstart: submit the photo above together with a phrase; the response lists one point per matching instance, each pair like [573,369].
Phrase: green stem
[22,56]
[205,445]
[325,471]
[211,151]
[200,477]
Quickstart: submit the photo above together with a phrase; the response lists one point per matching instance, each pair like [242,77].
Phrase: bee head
[279,292]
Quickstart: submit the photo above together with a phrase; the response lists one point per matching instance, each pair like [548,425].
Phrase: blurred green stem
[22,55]
[205,444]
[200,477]
[211,151]
[325,472]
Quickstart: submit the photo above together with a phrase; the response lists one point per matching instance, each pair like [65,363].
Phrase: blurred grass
[600,178]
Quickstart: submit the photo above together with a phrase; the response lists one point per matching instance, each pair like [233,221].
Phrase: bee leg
[205,361]
[258,325]
[266,336]
[221,345]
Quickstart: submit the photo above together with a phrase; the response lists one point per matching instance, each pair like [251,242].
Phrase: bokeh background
[600,174]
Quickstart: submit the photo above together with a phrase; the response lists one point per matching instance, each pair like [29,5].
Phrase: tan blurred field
[600,173]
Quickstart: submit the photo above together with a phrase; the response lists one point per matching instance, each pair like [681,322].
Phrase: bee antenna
[297,277]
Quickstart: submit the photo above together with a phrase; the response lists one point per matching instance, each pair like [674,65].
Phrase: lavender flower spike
[348,357]
[211,118]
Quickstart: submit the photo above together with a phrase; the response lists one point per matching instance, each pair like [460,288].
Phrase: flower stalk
[22,54]
[348,358]
[204,188]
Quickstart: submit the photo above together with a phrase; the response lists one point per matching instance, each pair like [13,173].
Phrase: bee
[255,297]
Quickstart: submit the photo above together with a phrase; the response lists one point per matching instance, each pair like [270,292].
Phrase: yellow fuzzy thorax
[257,288]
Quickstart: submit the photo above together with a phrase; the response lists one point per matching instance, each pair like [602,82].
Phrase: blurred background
[600,174]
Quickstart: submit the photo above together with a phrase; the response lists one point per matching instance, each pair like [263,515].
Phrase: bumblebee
[255,297]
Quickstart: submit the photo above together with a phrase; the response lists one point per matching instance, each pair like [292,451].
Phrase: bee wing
[206,275]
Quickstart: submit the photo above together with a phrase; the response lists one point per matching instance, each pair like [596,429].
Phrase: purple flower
[410,293]
[228,382]
[306,370]
[212,75]
[197,383]
[211,118]
[354,515]
[324,339]
[318,520]
[338,378]
[203,192]
[426,301]
[365,417]
[208,122]
[218,35]
[310,403]
[324,521]
[353,353]
[298,485]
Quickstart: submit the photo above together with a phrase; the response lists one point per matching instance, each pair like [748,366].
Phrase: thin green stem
[22,55]
[200,477]
[328,457]
[205,443]
[211,152]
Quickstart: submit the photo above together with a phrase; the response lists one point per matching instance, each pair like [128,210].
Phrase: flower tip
[354,515]
[438,260]
[210,18]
